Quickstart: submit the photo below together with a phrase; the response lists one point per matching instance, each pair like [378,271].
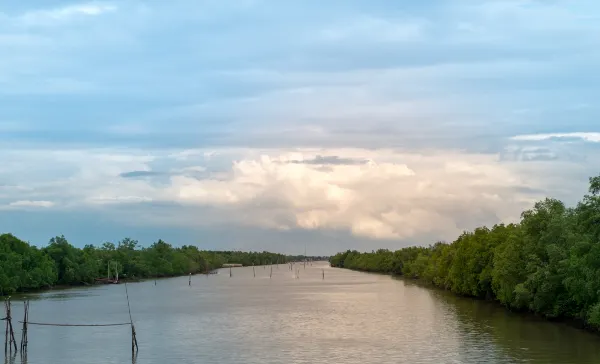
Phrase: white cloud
[397,195]
[27,203]
[59,15]
[393,195]
[588,136]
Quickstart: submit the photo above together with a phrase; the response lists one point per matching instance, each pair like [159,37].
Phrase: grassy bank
[547,264]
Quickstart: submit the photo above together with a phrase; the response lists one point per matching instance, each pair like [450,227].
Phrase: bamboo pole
[6,330]
[9,328]
[323,273]
[230,275]
[26,341]
[25,320]
[190,280]
[134,345]
[12,333]
[271,274]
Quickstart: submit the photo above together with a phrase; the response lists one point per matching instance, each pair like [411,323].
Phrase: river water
[348,317]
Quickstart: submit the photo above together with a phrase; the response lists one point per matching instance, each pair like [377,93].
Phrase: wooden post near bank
[10,341]
[24,330]
[6,331]
[134,344]
[9,334]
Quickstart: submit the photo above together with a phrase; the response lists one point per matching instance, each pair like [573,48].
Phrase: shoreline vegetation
[548,264]
[27,268]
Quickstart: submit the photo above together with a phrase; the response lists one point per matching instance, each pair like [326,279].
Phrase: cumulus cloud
[395,194]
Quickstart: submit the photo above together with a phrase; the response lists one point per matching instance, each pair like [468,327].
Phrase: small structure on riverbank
[109,279]
[232,265]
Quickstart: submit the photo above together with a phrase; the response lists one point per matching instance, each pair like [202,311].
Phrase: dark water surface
[349,317]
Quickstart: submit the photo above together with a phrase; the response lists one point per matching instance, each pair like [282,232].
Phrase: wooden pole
[271,274]
[24,329]
[12,342]
[6,331]
[230,275]
[190,281]
[323,274]
[24,333]
[132,341]
[134,345]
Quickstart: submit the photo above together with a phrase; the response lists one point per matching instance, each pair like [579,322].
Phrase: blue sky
[267,124]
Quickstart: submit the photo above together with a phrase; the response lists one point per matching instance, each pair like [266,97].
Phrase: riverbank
[547,264]
[27,268]
[67,287]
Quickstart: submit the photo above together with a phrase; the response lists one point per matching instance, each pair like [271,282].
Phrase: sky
[271,125]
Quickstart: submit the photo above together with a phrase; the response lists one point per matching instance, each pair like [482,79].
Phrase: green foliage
[24,267]
[549,263]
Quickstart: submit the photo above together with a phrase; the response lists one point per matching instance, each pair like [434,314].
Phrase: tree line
[548,263]
[25,267]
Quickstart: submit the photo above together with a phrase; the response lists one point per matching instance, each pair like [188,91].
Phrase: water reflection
[515,338]
[61,294]
[12,359]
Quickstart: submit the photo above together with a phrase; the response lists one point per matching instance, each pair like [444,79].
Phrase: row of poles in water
[291,266]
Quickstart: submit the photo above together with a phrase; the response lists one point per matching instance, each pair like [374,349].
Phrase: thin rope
[77,325]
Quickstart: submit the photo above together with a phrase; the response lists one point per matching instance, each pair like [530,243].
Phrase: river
[349,317]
